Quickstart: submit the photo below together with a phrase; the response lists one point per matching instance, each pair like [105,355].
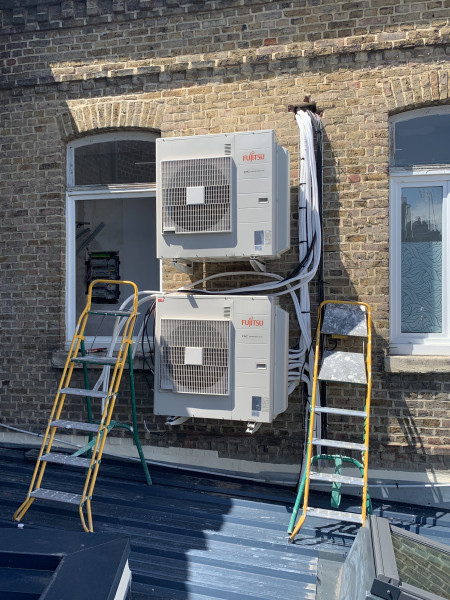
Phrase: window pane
[422,566]
[422,141]
[421,259]
[111,231]
[123,161]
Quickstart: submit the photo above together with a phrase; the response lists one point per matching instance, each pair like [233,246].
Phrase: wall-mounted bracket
[252,427]
[183,266]
[176,420]
[258,265]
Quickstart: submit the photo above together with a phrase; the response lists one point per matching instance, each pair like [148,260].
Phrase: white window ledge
[416,364]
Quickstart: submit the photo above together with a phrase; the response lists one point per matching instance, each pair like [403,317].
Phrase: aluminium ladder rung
[345,320]
[339,444]
[89,427]
[340,411]
[111,313]
[83,392]
[343,367]
[335,515]
[96,360]
[66,459]
[56,496]
[333,477]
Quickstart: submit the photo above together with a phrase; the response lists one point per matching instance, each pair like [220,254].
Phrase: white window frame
[415,176]
[417,343]
[94,192]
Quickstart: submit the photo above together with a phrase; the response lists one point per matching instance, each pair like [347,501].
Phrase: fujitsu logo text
[251,322]
[253,156]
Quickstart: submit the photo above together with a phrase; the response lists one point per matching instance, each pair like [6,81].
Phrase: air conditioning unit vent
[222,196]
[196,195]
[195,356]
[221,357]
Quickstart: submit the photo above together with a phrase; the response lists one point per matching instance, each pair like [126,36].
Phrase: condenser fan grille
[210,213]
[195,356]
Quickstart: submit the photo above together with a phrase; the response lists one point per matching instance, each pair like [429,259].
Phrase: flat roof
[195,536]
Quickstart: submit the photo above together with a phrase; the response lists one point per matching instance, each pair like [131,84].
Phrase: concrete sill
[416,364]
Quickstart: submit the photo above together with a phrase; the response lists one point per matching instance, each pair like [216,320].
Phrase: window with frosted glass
[120,161]
[421,259]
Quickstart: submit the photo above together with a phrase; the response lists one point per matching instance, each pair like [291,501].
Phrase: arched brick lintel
[96,116]
[417,90]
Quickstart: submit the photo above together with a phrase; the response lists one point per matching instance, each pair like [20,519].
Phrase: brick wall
[72,68]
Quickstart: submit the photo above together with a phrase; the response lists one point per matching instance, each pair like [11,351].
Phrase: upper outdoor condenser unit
[222,197]
[221,357]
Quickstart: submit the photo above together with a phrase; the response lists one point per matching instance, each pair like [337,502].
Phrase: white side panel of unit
[253,322]
[281,359]
[254,223]
[256,175]
[282,203]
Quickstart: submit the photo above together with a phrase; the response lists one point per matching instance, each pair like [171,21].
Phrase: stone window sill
[416,364]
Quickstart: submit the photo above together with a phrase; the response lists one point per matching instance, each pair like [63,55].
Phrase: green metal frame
[132,428]
[336,489]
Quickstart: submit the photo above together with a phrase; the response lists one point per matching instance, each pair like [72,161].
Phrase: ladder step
[340,411]
[90,427]
[332,477]
[84,393]
[111,313]
[339,444]
[336,515]
[345,319]
[96,360]
[56,496]
[66,459]
[343,367]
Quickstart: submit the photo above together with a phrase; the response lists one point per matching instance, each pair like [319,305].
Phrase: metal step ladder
[105,389]
[347,324]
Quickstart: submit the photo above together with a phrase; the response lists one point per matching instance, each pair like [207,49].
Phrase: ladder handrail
[125,326]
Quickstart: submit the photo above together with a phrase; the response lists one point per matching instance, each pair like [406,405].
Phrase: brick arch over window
[417,89]
[95,116]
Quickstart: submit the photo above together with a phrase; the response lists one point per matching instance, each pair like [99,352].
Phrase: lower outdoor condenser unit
[221,357]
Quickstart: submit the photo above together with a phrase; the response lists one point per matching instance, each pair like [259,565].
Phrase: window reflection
[409,554]
[422,141]
[121,161]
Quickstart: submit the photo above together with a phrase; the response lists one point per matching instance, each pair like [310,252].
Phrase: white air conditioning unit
[221,357]
[222,197]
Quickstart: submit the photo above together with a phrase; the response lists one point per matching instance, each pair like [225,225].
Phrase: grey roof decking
[199,537]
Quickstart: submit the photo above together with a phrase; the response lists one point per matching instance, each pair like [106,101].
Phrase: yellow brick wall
[77,68]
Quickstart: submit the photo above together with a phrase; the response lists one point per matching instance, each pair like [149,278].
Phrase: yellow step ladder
[347,324]
[112,364]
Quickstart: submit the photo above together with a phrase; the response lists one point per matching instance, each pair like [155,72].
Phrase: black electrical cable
[145,362]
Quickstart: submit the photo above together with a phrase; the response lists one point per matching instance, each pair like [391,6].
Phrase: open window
[419,232]
[111,221]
